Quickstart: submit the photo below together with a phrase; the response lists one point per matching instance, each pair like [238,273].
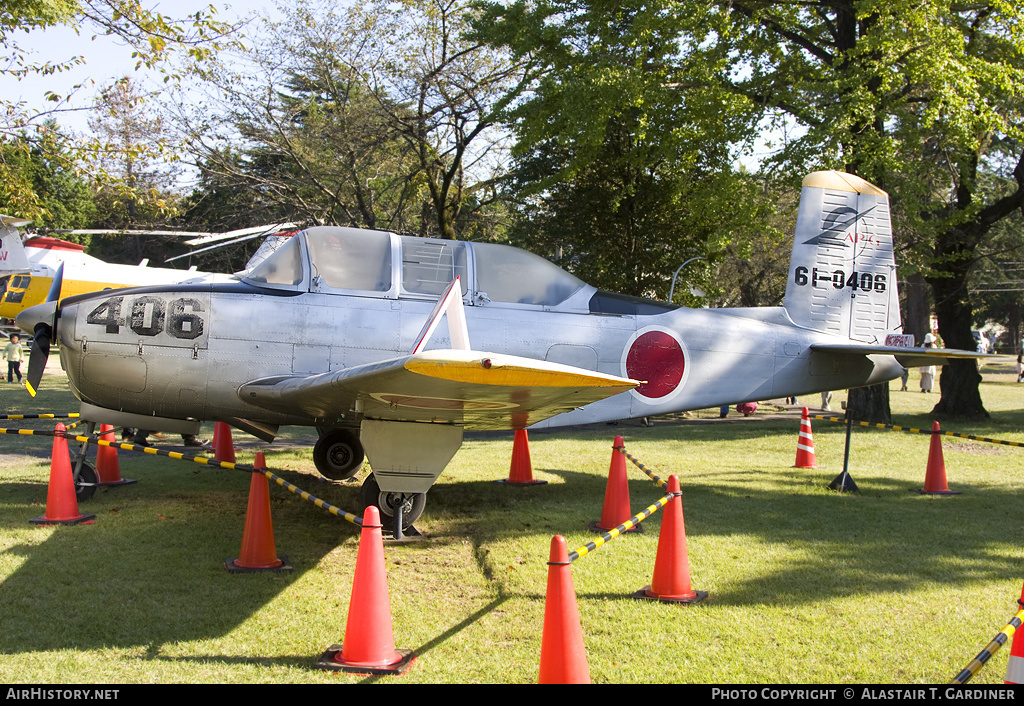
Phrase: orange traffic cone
[223,447]
[563,657]
[805,443]
[1015,667]
[671,583]
[107,466]
[935,474]
[258,552]
[61,502]
[616,493]
[521,470]
[369,646]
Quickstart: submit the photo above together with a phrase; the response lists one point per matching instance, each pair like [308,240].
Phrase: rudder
[842,274]
[12,252]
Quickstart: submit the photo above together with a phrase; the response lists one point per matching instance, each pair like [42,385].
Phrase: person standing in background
[928,372]
[14,355]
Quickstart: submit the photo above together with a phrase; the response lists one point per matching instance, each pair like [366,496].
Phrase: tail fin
[12,252]
[842,275]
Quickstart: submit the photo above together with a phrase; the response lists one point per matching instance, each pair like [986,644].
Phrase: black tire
[370,494]
[85,482]
[338,455]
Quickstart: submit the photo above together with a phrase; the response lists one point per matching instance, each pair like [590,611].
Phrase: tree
[130,134]
[998,282]
[451,90]
[918,99]
[922,100]
[755,267]
[62,198]
[624,155]
[306,141]
[379,115]
[137,176]
[154,38]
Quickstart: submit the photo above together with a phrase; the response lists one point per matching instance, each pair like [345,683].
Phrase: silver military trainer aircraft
[365,335]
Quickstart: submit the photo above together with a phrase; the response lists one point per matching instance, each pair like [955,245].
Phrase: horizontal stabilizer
[468,388]
[907,357]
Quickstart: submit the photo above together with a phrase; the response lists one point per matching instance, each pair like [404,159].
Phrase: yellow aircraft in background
[30,266]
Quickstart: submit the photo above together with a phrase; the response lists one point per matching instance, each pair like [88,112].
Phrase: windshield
[284,267]
[361,260]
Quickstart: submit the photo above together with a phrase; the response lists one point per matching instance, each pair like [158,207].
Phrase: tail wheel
[412,503]
[338,455]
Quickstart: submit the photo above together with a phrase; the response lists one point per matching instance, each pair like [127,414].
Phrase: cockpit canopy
[330,259]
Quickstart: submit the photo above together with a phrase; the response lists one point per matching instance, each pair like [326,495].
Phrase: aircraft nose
[35,315]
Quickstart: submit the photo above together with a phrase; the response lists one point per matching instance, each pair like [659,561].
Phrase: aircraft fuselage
[183,352]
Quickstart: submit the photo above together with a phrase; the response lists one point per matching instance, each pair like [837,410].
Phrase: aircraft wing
[907,357]
[469,388]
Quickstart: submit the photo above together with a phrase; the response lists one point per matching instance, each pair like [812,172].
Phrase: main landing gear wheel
[338,455]
[412,503]
[85,483]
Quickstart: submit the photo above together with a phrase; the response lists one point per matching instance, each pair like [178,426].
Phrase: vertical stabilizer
[842,275]
[12,252]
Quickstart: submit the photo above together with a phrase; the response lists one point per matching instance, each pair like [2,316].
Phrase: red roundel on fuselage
[658,358]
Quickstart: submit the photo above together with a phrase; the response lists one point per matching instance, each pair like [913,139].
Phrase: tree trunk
[870,404]
[917,319]
[960,379]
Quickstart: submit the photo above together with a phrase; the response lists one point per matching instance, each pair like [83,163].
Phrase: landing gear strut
[85,482]
[402,509]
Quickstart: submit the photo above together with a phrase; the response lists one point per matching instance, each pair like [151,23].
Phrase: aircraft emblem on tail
[834,234]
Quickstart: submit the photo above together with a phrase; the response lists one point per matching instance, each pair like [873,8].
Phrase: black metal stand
[844,482]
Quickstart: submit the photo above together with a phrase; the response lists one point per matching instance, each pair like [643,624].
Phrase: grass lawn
[806,585]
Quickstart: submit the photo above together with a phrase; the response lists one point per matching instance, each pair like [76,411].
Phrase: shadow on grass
[151,571]
[806,543]
[151,568]
[304,661]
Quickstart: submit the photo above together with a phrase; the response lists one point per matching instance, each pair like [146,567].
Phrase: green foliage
[377,115]
[921,99]
[997,282]
[154,38]
[625,149]
[46,185]
[134,173]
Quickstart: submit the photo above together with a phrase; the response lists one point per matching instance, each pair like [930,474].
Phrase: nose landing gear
[399,510]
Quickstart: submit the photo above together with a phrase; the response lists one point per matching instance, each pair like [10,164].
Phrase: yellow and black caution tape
[38,432]
[632,522]
[636,462]
[324,505]
[625,526]
[334,510]
[990,649]
[28,432]
[69,415]
[912,430]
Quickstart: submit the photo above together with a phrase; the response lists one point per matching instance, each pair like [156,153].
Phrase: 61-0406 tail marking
[865,281]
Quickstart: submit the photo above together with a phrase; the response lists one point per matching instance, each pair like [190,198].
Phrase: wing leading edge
[469,388]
